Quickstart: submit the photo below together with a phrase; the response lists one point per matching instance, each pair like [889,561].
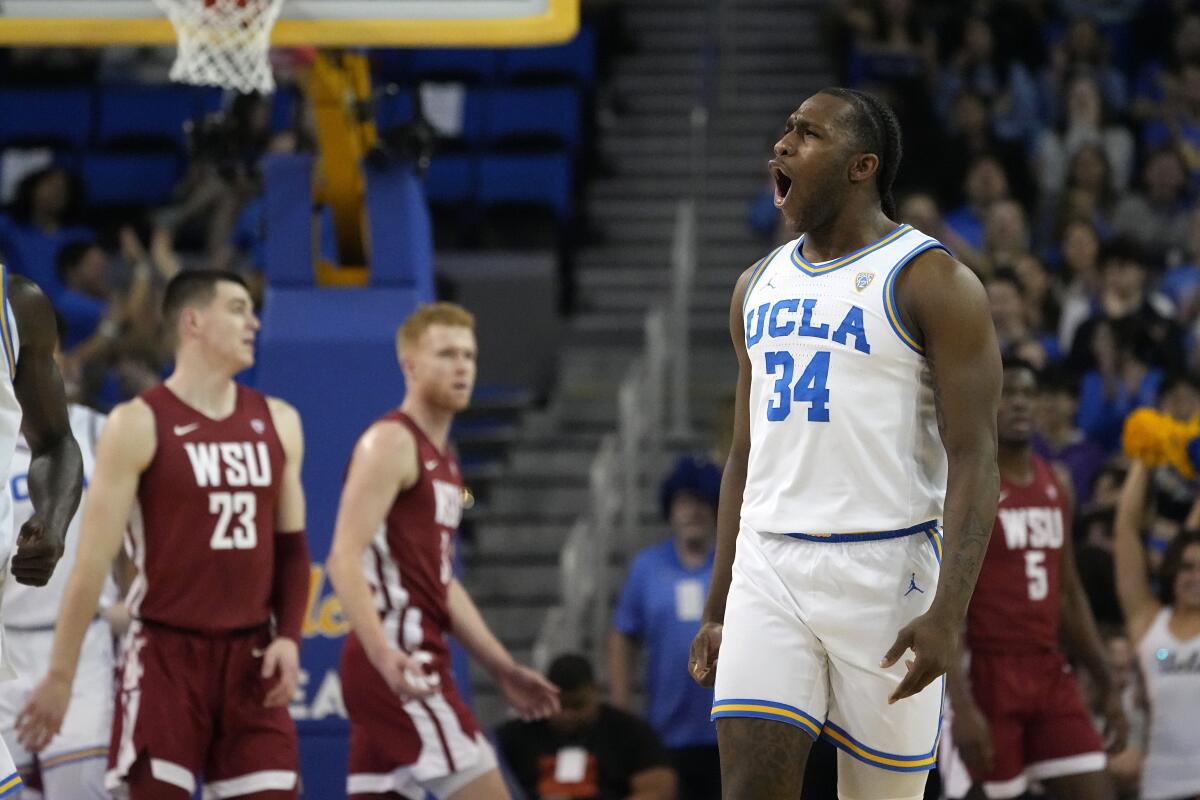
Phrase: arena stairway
[772,56]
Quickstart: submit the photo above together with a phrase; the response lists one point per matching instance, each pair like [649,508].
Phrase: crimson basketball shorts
[1040,728]
[408,747]
[192,704]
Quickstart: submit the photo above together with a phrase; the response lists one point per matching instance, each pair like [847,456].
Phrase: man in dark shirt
[589,750]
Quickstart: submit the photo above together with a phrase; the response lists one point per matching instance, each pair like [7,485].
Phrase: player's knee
[858,781]
[761,759]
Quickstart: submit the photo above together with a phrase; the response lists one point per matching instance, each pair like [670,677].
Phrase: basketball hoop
[223,42]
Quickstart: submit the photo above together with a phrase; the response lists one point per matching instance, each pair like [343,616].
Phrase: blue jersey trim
[10,354]
[767,709]
[877,758]
[10,784]
[865,536]
[935,539]
[805,266]
[889,296]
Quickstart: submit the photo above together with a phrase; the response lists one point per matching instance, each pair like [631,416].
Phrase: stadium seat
[283,108]
[533,117]
[467,66]
[111,179]
[140,116]
[394,110]
[452,179]
[391,65]
[527,180]
[573,61]
[58,117]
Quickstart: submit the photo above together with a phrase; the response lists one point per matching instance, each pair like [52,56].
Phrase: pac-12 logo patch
[863,279]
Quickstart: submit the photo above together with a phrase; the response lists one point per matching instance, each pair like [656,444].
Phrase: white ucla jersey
[843,432]
[37,607]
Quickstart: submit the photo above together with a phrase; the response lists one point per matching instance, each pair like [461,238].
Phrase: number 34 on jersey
[790,318]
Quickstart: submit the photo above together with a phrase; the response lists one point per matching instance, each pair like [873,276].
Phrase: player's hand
[1116,726]
[281,657]
[973,740]
[405,674]
[702,661]
[933,639]
[118,617]
[528,692]
[42,716]
[38,551]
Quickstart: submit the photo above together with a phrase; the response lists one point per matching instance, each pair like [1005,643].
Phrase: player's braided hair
[877,131]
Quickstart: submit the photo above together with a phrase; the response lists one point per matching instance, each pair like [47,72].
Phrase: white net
[223,42]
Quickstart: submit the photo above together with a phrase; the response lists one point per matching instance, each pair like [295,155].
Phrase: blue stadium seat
[394,110]
[391,65]
[112,179]
[61,117]
[468,66]
[283,108]
[452,179]
[539,180]
[575,60]
[548,115]
[144,115]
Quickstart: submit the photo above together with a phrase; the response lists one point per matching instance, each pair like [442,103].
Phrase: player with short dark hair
[206,473]
[1017,713]
[865,414]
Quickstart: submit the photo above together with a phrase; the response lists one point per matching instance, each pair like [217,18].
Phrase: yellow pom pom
[1156,440]
[1145,436]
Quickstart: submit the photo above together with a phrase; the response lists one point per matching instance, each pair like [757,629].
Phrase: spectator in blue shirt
[659,611]
[41,225]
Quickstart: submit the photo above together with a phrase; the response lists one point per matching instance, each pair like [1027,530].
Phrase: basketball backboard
[321,23]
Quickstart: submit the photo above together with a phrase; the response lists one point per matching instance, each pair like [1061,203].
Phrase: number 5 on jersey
[809,388]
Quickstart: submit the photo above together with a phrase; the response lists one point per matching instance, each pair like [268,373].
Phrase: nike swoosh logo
[431,465]
[184,430]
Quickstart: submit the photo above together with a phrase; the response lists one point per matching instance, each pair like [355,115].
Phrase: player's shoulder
[282,412]
[131,429]
[387,438]
[933,269]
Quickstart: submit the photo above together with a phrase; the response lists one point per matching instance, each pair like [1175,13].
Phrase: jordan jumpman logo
[912,586]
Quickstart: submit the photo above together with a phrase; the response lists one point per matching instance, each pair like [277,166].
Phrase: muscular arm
[729,507]
[56,466]
[949,308]
[290,583]
[946,305]
[1133,589]
[468,625]
[290,510]
[124,450]
[384,463]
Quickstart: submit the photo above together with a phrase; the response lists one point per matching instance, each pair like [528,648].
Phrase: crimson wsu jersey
[203,532]
[411,560]
[1015,606]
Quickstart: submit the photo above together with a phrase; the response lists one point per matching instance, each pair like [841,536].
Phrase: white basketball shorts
[87,728]
[806,625]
